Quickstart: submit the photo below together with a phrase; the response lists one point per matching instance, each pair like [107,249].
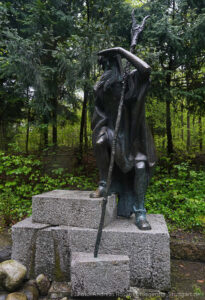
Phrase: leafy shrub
[22,177]
[179,196]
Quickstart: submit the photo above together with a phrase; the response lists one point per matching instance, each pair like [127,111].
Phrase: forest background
[48,66]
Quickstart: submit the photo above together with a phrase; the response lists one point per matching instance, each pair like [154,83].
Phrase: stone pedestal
[148,251]
[44,248]
[106,275]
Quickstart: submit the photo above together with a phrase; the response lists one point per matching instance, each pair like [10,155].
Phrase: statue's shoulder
[139,77]
[134,73]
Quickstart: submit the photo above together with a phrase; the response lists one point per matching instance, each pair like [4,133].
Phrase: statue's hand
[110,51]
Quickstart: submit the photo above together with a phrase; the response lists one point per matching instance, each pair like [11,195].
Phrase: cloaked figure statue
[135,152]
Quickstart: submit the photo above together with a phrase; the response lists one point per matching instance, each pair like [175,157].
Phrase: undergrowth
[22,177]
[178,194]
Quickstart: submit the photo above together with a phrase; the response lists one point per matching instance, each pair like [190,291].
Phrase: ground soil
[188,236]
[187,280]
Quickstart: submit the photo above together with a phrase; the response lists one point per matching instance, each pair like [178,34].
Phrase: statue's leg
[141,184]
[102,155]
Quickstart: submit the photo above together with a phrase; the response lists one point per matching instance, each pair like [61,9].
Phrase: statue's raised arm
[143,68]
[138,63]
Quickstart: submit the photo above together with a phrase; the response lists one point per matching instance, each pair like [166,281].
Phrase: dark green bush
[179,195]
[22,177]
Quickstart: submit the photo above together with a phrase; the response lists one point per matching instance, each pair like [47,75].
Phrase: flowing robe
[134,141]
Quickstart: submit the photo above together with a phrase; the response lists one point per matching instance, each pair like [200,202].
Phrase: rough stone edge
[120,261]
[110,215]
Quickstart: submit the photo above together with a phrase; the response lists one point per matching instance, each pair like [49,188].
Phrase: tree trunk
[85,127]
[168,128]
[168,117]
[193,131]
[173,118]
[27,130]
[54,132]
[163,143]
[2,135]
[200,134]
[188,141]
[182,123]
[40,145]
[83,121]
[45,132]
[45,135]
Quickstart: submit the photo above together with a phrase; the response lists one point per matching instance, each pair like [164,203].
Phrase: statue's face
[107,62]
[104,62]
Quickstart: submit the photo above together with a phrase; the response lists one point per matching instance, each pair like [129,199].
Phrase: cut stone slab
[148,251]
[72,208]
[42,248]
[106,275]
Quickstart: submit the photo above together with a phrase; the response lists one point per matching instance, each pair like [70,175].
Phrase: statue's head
[110,61]
[112,67]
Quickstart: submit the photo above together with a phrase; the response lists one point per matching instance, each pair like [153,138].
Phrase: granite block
[72,208]
[24,236]
[148,251]
[42,249]
[106,275]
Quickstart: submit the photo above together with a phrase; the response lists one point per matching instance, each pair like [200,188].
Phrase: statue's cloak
[134,141]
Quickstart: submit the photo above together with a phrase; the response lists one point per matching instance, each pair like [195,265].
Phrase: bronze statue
[134,155]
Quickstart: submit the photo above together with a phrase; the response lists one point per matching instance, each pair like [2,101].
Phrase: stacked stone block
[65,222]
[105,275]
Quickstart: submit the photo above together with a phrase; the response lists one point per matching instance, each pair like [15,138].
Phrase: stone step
[46,249]
[43,249]
[72,208]
[106,275]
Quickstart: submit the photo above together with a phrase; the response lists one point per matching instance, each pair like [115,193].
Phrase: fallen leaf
[200,281]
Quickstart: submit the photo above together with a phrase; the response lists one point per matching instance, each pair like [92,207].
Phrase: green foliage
[48,54]
[197,290]
[50,48]
[179,196]
[174,47]
[22,177]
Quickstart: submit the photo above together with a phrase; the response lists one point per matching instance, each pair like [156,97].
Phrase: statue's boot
[101,190]
[141,184]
